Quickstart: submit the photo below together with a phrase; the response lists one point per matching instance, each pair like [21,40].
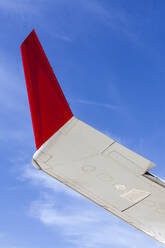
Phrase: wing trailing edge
[48,105]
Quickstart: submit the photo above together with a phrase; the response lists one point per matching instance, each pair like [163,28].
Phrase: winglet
[48,106]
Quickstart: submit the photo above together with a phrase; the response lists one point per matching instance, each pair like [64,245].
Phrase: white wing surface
[86,160]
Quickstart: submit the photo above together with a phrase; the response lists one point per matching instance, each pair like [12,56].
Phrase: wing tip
[31,34]
[48,105]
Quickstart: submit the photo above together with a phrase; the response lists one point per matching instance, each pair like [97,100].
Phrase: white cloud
[12,102]
[116,18]
[81,223]
[63,37]
[104,105]
[41,179]
[10,85]
[2,235]
[88,226]
[16,6]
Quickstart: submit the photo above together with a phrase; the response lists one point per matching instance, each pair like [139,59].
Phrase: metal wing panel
[105,172]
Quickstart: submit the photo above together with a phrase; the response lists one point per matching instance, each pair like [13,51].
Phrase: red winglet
[48,106]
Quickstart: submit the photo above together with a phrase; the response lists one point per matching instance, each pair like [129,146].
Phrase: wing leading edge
[86,160]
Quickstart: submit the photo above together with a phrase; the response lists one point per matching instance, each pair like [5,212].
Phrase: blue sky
[109,58]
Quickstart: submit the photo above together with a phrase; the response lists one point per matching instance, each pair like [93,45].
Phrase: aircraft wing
[84,159]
